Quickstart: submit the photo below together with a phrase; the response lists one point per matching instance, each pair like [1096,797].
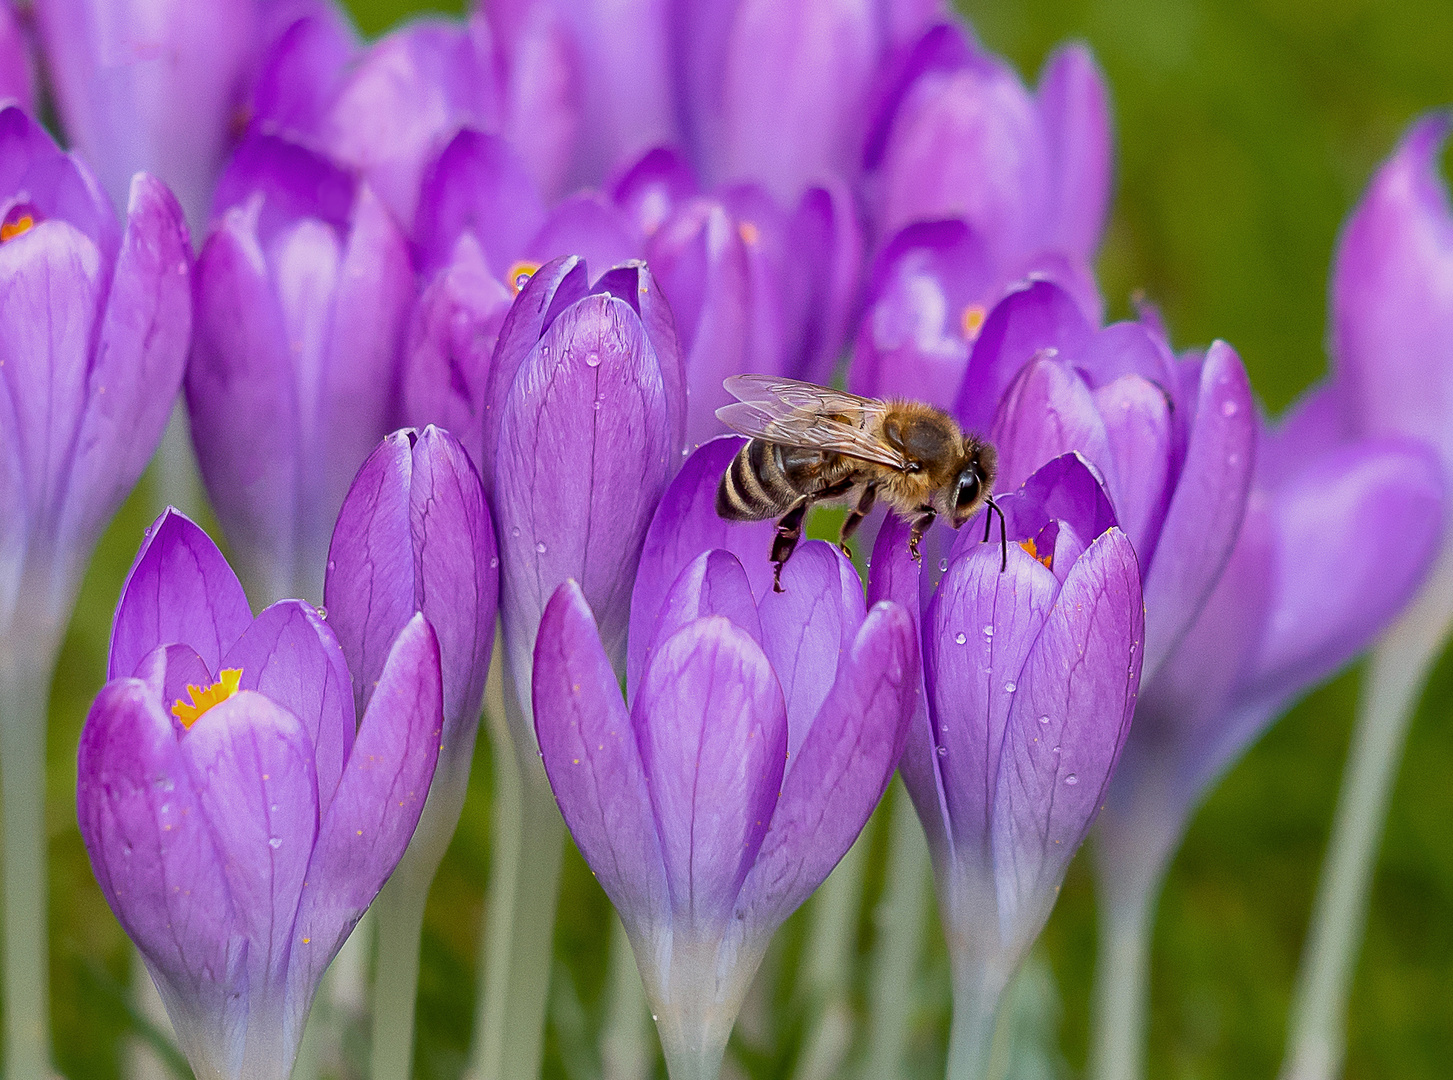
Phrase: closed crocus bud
[758,739]
[303,288]
[1174,439]
[927,298]
[1031,676]
[95,328]
[237,820]
[591,372]
[958,135]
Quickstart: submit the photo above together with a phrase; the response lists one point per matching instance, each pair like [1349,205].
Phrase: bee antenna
[995,508]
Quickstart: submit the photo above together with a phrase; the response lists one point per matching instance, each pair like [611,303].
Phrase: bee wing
[801,414]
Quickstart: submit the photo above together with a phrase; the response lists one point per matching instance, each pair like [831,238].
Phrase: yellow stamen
[1047,558]
[203,698]
[518,275]
[11,229]
[972,321]
[749,233]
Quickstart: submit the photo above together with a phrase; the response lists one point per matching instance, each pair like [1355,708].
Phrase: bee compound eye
[968,490]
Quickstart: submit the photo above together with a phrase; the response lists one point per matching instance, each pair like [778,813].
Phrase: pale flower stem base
[628,1042]
[828,963]
[341,1003]
[524,886]
[140,1060]
[901,919]
[25,675]
[1121,989]
[971,1036]
[400,917]
[1317,1035]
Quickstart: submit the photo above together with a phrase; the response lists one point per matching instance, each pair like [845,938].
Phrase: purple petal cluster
[94,321]
[238,837]
[760,730]
[303,290]
[1030,679]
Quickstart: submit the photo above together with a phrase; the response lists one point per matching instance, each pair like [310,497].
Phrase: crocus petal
[290,656]
[303,71]
[713,583]
[977,635]
[294,182]
[1392,296]
[1074,103]
[686,524]
[1205,511]
[825,230]
[17,74]
[808,629]
[1138,429]
[1047,411]
[140,356]
[541,93]
[55,283]
[840,772]
[372,817]
[60,184]
[455,328]
[154,858]
[712,731]
[585,224]
[594,766]
[179,589]
[479,185]
[1069,718]
[1038,317]
[251,765]
[653,187]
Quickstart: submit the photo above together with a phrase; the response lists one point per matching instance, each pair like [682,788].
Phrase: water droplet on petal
[1044,719]
[322,612]
[1072,780]
[1055,749]
[654,1017]
[1228,408]
[332,565]
[540,546]
[274,842]
[961,637]
[943,751]
[515,532]
[494,563]
[592,359]
[988,631]
[942,565]
[1009,688]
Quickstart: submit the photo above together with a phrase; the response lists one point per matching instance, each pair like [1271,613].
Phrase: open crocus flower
[759,736]
[1031,677]
[303,288]
[238,821]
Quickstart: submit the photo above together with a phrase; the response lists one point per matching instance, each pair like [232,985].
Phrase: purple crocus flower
[159,85]
[585,420]
[303,288]
[958,135]
[760,733]
[95,327]
[238,821]
[1030,677]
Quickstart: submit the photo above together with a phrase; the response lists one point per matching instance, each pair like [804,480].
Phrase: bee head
[975,481]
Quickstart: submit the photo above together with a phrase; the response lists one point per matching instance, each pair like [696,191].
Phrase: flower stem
[971,1036]
[1317,1036]
[627,1044]
[515,947]
[1122,977]
[901,919]
[27,660]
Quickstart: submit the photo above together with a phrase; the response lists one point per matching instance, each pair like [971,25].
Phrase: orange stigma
[518,276]
[972,321]
[22,223]
[749,233]
[204,698]
[1047,558]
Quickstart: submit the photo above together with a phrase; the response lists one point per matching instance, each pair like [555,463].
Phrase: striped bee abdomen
[756,485]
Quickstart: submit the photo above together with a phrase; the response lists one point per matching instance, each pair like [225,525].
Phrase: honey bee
[810,444]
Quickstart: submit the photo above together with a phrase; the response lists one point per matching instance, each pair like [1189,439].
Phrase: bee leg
[920,526]
[789,531]
[850,526]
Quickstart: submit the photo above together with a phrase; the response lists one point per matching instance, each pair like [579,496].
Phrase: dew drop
[1056,749]
[1071,780]
[868,563]
[274,842]
[332,565]
[942,565]
[592,359]
[1044,719]
[1009,688]
[988,631]
[1228,408]
[961,637]
[596,406]
[322,611]
[494,563]
[655,1018]
[540,546]
[515,532]
[943,751]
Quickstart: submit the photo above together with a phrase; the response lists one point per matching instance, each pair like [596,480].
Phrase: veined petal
[712,731]
[588,225]
[1074,104]
[1046,412]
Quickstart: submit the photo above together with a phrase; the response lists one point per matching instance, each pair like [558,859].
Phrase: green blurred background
[1246,131]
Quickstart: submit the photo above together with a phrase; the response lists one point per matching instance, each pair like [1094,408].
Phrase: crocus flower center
[972,321]
[519,274]
[20,219]
[1047,558]
[203,698]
